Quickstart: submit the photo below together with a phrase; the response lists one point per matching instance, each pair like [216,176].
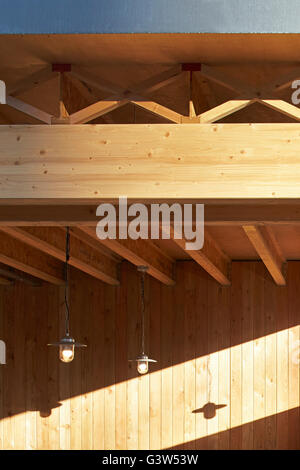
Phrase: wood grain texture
[226,377]
[143,161]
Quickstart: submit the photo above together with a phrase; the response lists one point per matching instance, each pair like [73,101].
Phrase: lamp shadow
[209,410]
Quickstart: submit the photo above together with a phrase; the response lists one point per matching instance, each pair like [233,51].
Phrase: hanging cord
[67,282]
[143,309]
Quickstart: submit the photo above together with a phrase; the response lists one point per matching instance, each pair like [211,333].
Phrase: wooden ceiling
[38,252]
[32,239]
[92,50]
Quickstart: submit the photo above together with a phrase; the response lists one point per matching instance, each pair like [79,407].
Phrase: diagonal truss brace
[246,95]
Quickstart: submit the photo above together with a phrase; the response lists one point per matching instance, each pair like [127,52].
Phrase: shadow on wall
[191,321]
[272,432]
[209,410]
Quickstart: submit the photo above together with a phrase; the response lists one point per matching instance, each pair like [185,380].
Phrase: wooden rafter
[282,82]
[29,109]
[121,97]
[94,243]
[266,247]
[84,94]
[283,107]
[52,242]
[14,253]
[140,253]
[235,86]
[33,80]
[223,110]
[246,95]
[204,85]
[157,109]
[96,110]
[158,81]
[211,258]
[96,82]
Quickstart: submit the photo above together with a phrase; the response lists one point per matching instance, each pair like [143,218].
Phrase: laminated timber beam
[75,213]
[158,161]
[140,253]
[211,258]
[51,241]
[267,248]
[17,255]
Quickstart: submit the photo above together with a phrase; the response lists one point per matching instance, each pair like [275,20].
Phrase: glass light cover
[142,366]
[66,352]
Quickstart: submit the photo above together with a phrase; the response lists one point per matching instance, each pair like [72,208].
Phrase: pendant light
[142,360]
[67,344]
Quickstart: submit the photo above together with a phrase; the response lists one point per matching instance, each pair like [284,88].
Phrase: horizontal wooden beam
[74,213]
[52,242]
[25,258]
[201,161]
[13,275]
[266,247]
[140,253]
[211,258]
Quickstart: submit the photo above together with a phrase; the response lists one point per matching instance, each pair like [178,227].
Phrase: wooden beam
[159,81]
[147,86]
[52,242]
[95,81]
[266,248]
[28,109]
[223,110]
[96,110]
[158,161]
[236,86]
[140,253]
[30,260]
[33,80]
[282,82]
[282,107]
[204,85]
[82,94]
[13,275]
[94,243]
[74,213]
[211,258]
[156,108]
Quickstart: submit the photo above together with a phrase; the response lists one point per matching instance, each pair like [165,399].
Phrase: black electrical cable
[67,282]
[143,309]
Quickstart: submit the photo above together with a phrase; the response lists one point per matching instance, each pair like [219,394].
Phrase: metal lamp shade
[67,347]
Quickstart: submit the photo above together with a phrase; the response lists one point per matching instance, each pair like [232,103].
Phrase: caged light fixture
[67,344]
[142,360]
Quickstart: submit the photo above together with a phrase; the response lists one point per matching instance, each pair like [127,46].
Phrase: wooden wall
[227,374]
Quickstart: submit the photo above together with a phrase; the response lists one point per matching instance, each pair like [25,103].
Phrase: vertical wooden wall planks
[227,375]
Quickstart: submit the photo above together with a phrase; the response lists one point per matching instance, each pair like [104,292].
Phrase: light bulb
[66,352]
[142,367]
